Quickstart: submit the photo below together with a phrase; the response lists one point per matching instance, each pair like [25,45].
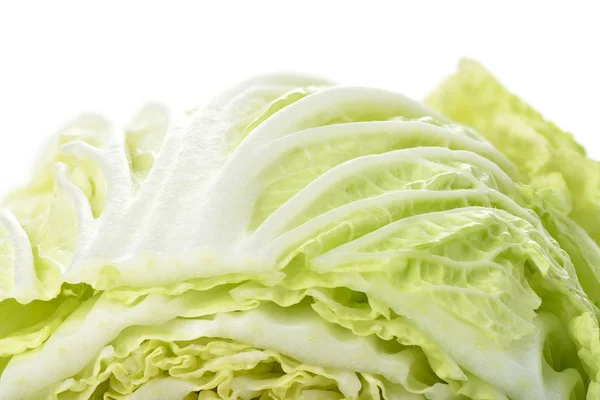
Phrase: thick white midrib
[281,217]
[112,161]
[121,211]
[307,327]
[273,249]
[391,228]
[25,281]
[251,160]
[290,118]
[393,197]
[245,166]
[231,103]
[276,222]
[396,129]
[202,139]
[173,188]
[237,187]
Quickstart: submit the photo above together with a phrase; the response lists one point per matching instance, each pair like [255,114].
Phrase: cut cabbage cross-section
[296,239]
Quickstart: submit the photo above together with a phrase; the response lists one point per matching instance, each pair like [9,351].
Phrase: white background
[58,58]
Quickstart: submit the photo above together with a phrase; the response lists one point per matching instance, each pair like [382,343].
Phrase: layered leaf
[299,240]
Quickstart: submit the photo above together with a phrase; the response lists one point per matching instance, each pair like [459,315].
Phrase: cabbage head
[297,239]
